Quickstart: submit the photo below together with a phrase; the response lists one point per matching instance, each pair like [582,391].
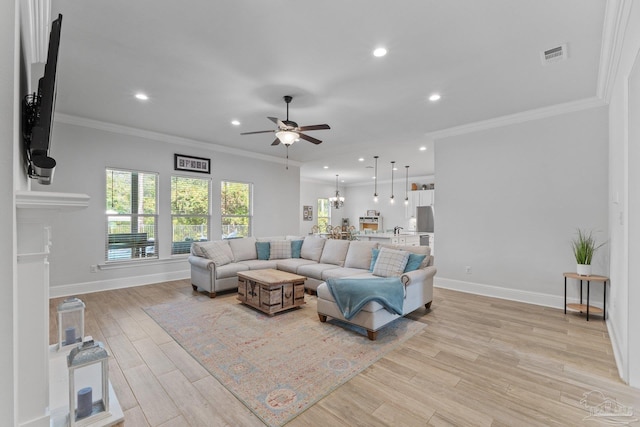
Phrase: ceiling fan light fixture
[287,137]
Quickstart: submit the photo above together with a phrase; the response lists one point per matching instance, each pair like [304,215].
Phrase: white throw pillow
[217,251]
[280,249]
[390,262]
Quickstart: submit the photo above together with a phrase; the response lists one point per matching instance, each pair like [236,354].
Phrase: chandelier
[337,201]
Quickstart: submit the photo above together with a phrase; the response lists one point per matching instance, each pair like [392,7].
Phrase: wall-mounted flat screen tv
[38,114]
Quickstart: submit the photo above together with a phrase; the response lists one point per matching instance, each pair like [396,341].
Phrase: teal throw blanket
[352,294]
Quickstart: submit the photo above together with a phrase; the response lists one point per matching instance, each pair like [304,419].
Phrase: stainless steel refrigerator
[424,219]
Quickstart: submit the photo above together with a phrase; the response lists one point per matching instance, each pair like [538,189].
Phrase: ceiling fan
[288,131]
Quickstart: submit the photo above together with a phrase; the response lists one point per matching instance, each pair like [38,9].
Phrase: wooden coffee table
[270,290]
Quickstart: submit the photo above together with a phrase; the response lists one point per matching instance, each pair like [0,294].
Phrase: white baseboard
[125,282]
[537,298]
[617,351]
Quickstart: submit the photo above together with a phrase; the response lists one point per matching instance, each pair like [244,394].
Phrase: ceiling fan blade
[309,138]
[277,121]
[259,131]
[276,142]
[314,127]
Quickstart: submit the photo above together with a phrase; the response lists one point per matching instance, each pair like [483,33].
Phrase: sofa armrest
[420,275]
[204,263]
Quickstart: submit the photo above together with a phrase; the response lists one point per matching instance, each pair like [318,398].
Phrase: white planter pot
[583,269]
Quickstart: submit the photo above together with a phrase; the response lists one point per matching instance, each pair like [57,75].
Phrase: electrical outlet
[93,269]
[467,269]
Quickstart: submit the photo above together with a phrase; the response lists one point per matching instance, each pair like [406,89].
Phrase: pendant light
[337,201]
[406,186]
[392,200]
[375,181]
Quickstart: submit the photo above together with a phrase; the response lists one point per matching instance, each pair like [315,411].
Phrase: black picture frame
[183,162]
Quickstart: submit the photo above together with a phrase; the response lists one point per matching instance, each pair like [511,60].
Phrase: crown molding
[525,116]
[616,18]
[169,139]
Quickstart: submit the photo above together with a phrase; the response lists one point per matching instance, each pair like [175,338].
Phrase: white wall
[624,205]
[509,200]
[83,153]
[9,104]
[310,192]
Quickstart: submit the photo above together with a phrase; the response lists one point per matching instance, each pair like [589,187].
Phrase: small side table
[582,307]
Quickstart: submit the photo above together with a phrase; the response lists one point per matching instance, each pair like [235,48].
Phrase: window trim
[156,216]
[250,215]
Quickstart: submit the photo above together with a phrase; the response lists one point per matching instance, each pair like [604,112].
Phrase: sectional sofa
[215,264]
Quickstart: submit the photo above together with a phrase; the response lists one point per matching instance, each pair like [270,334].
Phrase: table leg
[588,283]
[565,294]
[580,291]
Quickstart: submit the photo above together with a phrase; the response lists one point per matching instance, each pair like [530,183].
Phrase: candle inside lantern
[69,335]
[85,402]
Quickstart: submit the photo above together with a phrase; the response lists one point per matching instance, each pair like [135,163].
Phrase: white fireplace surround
[35,212]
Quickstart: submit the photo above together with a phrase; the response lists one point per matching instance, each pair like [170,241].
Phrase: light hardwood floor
[480,361]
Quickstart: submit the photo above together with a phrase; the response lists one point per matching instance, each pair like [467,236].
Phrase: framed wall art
[191,163]
[307,213]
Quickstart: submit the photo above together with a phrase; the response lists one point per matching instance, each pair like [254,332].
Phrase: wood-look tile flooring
[480,361]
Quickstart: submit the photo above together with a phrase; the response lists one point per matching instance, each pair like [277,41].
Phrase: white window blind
[236,209]
[189,212]
[131,215]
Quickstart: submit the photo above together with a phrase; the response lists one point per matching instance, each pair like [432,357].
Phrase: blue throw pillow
[374,257]
[263,249]
[296,247]
[414,262]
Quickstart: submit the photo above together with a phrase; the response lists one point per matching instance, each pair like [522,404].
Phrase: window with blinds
[236,209]
[324,215]
[131,215]
[189,212]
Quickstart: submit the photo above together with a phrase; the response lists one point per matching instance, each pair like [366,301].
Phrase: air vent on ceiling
[555,54]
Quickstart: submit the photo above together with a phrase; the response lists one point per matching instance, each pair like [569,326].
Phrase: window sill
[116,265]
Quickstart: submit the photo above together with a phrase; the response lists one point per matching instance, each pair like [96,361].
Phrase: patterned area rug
[280,365]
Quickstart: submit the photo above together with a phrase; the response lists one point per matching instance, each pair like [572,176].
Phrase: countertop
[390,235]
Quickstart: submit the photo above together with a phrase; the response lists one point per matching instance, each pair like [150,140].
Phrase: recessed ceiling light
[361,159]
[326,167]
[423,148]
[379,52]
[141,96]
[435,97]
[235,122]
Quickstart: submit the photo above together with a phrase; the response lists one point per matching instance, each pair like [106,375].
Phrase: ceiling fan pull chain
[287,165]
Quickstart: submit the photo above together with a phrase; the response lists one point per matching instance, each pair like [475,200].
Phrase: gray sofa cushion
[230,270]
[291,265]
[336,273]
[258,264]
[315,270]
[312,248]
[334,252]
[359,254]
[244,248]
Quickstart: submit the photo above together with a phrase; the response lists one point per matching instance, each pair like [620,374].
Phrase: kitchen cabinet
[419,198]
[405,240]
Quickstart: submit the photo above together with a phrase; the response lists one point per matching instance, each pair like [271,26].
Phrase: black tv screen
[40,108]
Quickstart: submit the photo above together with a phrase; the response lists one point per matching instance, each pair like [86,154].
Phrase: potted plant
[584,246]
